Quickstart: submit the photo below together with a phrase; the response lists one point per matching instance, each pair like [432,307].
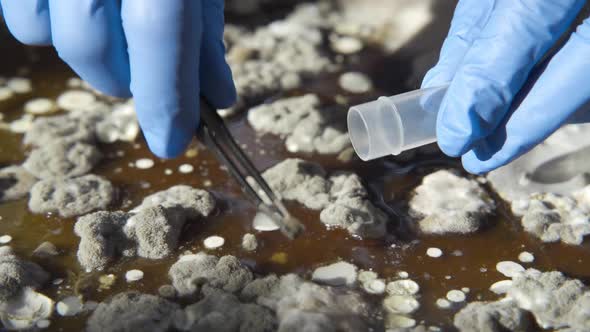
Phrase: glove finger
[217,83]
[164,38]
[496,66]
[28,20]
[562,89]
[469,18]
[88,36]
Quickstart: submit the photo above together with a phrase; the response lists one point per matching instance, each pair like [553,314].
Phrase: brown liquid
[317,246]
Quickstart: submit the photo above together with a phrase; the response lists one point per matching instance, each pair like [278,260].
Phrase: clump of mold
[448,203]
[341,197]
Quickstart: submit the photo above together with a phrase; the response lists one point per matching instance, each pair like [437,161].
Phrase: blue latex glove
[496,108]
[163,52]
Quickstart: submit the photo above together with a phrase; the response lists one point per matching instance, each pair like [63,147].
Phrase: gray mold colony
[341,197]
[15,183]
[71,197]
[16,274]
[151,230]
[133,311]
[305,127]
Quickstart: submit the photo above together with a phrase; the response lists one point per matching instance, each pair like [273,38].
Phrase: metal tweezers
[215,135]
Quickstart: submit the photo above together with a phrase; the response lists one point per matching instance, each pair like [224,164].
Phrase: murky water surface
[474,268]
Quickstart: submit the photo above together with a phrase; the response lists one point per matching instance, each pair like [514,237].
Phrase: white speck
[448,277]
[501,287]
[403,287]
[526,257]
[133,275]
[355,82]
[465,290]
[401,304]
[70,306]
[264,223]
[403,274]
[213,242]
[39,106]
[376,286]
[20,85]
[43,323]
[509,269]
[207,183]
[4,239]
[455,296]
[443,303]
[337,274]
[185,168]
[5,93]
[73,100]
[57,281]
[144,163]
[434,252]
[347,45]
[483,270]
[168,171]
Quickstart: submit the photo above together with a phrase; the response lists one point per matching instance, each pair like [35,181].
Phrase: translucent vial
[391,125]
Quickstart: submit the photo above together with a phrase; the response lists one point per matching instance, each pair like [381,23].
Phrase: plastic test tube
[391,125]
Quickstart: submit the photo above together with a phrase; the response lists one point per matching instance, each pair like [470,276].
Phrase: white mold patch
[214,242]
[76,100]
[509,268]
[133,275]
[144,163]
[5,239]
[501,287]
[400,304]
[186,168]
[39,106]
[355,82]
[403,287]
[443,303]
[337,274]
[20,85]
[456,296]
[526,257]
[434,252]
